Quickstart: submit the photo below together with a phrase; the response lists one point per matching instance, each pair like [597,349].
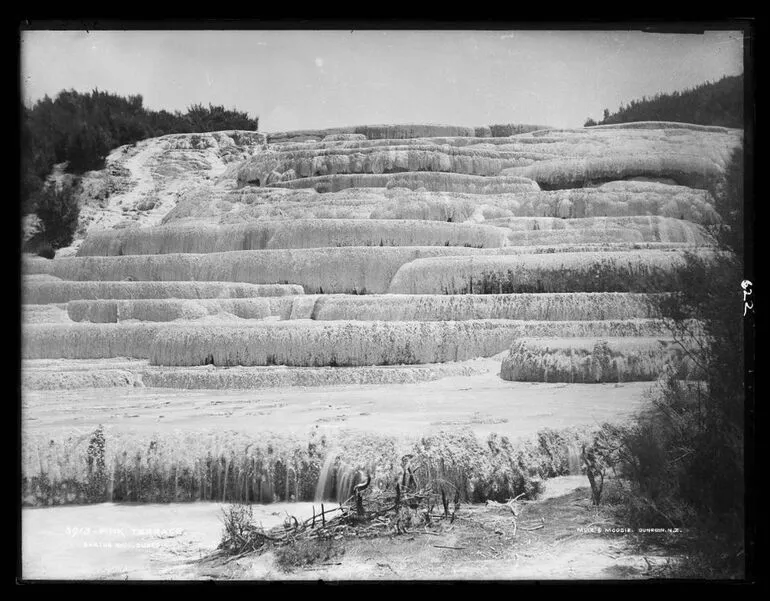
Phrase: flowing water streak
[336,480]
[574,460]
[324,476]
[346,480]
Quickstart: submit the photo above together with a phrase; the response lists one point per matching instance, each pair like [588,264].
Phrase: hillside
[718,103]
[77,131]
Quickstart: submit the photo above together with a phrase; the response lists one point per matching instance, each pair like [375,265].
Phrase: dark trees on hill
[718,103]
[81,129]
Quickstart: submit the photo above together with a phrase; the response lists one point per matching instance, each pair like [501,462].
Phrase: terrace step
[289,234]
[307,343]
[593,360]
[400,270]
[579,306]
[67,374]
[630,271]
[430,181]
[38,291]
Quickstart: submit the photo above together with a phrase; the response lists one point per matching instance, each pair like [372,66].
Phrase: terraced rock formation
[467,232]
[371,255]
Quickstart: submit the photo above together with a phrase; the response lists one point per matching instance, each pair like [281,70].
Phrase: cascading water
[324,477]
[336,480]
[574,460]
[347,478]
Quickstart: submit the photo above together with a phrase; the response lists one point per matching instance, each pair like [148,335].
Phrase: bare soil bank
[177,542]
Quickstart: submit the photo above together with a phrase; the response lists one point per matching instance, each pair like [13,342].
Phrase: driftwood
[367,513]
[510,504]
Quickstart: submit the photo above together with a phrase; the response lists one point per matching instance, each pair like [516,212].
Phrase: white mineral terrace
[235,298]
[380,246]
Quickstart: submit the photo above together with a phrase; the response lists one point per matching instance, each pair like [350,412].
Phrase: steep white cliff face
[141,183]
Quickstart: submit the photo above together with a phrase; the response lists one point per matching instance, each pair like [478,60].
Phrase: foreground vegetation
[236,467]
[684,456]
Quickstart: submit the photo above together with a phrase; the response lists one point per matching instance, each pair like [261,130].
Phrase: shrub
[46,251]
[241,534]
[684,455]
[97,476]
[58,211]
[302,553]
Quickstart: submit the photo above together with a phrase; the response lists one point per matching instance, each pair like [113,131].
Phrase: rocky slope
[140,184]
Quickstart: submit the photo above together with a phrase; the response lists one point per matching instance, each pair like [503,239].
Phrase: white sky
[317,79]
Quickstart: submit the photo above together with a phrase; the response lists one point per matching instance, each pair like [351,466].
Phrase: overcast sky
[317,79]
